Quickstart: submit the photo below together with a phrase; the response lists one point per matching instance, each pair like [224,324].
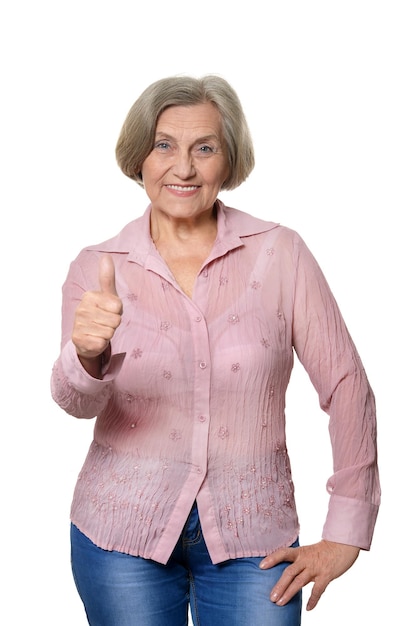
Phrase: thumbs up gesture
[97,317]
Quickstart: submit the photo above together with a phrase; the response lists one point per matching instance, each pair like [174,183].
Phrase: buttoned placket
[201,369]
[201,409]
[202,377]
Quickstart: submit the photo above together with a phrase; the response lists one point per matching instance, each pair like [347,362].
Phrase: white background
[329,89]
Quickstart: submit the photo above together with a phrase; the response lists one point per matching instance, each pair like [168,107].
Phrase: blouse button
[202,418]
[198,318]
[203,365]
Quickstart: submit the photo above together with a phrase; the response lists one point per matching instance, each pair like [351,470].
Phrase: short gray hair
[137,135]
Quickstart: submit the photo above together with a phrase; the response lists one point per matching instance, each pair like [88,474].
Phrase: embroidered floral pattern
[250,486]
[223,433]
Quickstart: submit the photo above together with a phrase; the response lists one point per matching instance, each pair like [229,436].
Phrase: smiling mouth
[183,188]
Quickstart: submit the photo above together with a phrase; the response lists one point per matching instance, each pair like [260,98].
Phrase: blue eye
[206,149]
[162,145]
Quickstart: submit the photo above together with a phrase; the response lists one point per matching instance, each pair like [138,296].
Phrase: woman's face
[188,164]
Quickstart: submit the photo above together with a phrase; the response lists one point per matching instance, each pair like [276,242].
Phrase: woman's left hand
[319,563]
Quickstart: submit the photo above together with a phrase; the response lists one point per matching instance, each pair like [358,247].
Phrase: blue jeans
[122,590]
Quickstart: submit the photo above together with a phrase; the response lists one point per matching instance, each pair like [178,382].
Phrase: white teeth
[180,188]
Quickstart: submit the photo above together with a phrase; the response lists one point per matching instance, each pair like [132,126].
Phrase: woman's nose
[184,165]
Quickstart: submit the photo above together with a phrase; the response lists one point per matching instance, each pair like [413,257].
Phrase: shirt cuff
[80,379]
[350,521]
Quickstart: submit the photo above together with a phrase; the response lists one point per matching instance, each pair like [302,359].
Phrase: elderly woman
[179,335]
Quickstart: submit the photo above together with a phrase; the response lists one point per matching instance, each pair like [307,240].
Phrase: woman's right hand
[96,319]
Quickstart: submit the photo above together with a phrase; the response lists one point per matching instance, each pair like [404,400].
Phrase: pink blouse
[192,404]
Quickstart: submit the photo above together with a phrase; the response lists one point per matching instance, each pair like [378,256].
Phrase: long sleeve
[72,388]
[326,350]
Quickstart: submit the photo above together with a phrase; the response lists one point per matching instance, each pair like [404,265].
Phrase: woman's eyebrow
[211,137]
